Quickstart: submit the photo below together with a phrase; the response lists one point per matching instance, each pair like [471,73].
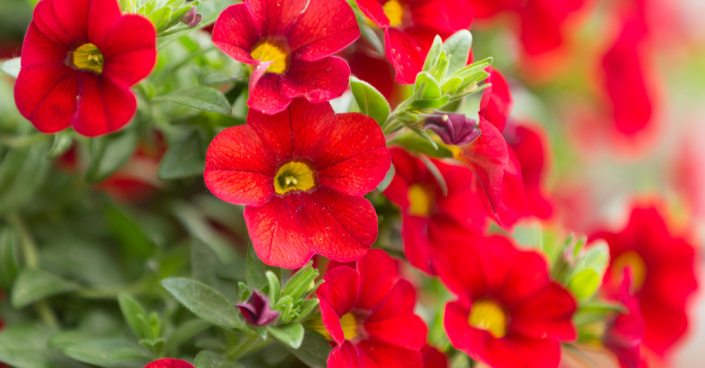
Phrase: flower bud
[455,129]
[191,18]
[257,310]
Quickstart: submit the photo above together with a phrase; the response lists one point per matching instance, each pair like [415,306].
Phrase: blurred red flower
[497,102]
[410,27]
[79,60]
[528,142]
[428,213]
[289,46]
[433,358]
[509,313]
[302,173]
[368,313]
[169,363]
[664,275]
[625,332]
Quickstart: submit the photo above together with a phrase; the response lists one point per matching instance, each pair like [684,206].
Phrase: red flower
[169,363]
[496,104]
[529,144]
[664,276]
[433,358]
[624,333]
[540,22]
[302,173]
[410,27]
[509,313]
[79,60]
[426,212]
[289,43]
[624,69]
[368,313]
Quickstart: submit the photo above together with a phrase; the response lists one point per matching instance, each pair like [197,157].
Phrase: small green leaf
[134,314]
[458,47]
[433,53]
[9,260]
[160,18]
[314,350]
[204,301]
[429,104]
[201,98]
[255,270]
[62,142]
[25,345]
[185,158]
[417,143]
[108,353]
[431,90]
[184,333]
[109,153]
[33,285]
[387,179]
[11,67]
[586,276]
[209,359]
[125,228]
[22,173]
[371,102]
[584,284]
[274,286]
[291,335]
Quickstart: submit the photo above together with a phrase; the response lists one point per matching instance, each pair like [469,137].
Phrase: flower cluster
[340,178]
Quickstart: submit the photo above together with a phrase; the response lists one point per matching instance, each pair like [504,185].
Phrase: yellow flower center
[272,51]
[294,175]
[394,12]
[88,57]
[634,261]
[349,326]
[487,315]
[420,200]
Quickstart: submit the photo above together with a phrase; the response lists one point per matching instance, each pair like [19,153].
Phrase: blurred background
[619,88]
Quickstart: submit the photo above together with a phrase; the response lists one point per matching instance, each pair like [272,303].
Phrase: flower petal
[404,54]
[236,32]
[548,314]
[393,320]
[276,17]
[103,15]
[46,96]
[373,9]
[130,57]
[169,363]
[497,101]
[38,49]
[378,275]
[390,356]
[267,95]
[345,356]
[238,169]
[103,107]
[317,81]
[340,289]
[324,28]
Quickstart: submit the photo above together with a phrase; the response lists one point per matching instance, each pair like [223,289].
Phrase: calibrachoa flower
[169,363]
[410,27]
[433,358]
[428,213]
[79,60]
[624,333]
[509,313]
[368,313]
[496,104]
[664,276]
[301,175]
[289,46]
[529,145]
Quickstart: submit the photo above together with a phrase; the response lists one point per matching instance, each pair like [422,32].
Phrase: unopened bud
[257,311]
[191,18]
[455,129]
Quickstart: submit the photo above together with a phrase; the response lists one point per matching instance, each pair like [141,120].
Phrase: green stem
[247,345]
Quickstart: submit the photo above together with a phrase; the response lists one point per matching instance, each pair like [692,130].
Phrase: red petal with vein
[235,169]
[287,231]
[548,313]
[317,81]
[276,17]
[38,49]
[354,168]
[325,28]
[529,144]
[442,17]
[72,17]
[407,331]
[404,54]
[130,57]
[390,356]
[169,363]
[235,32]
[496,104]
[374,10]
[267,96]
[46,96]
[102,106]
[488,156]
[513,204]
[345,356]
[378,275]
[433,358]
[331,320]
[399,301]
[340,289]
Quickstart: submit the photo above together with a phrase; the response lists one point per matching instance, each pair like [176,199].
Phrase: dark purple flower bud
[455,129]
[191,18]
[257,310]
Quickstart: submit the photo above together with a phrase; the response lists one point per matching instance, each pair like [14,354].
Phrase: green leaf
[62,142]
[387,179]
[23,171]
[371,102]
[204,301]
[458,47]
[126,230]
[370,35]
[433,53]
[9,260]
[185,158]
[209,359]
[416,143]
[108,353]
[274,286]
[12,67]
[135,315]
[25,345]
[109,153]
[314,350]
[201,98]
[429,86]
[161,17]
[291,335]
[184,333]
[33,285]
[584,284]
[429,104]
[255,270]
[586,277]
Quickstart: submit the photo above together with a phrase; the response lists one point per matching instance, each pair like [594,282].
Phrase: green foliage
[185,158]
[314,350]
[33,284]
[370,101]
[205,302]
[209,359]
[109,153]
[25,346]
[201,98]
